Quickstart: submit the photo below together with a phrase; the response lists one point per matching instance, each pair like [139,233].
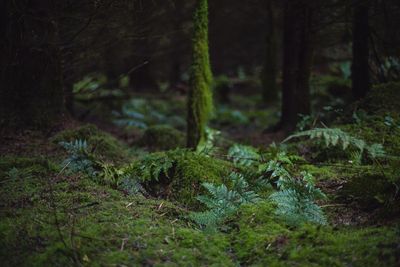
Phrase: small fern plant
[222,202]
[208,147]
[335,137]
[244,156]
[153,165]
[296,196]
[79,158]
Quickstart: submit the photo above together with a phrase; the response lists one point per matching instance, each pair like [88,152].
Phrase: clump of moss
[383,98]
[324,246]
[374,188]
[256,229]
[375,129]
[162,137]
[323,173]
[21,179]
[260,239]
[178,174]
[78,222]
[36,165]
[104,145]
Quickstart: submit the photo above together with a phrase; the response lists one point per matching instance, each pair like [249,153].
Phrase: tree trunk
[31,93]
[141,76]
[175,74]
[200,96]
[297,61]
[269,72]
[360,66]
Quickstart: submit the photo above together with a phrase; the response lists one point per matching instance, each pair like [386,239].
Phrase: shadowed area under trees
[199,133]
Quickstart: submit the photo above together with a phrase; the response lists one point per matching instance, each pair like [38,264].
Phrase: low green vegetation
[91,202]
[162,137]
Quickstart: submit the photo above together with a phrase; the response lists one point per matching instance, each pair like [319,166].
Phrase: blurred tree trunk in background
[175,75]
[31,90]
[269,71]
[297,61]
[141,77]
[200,97]
[360,67]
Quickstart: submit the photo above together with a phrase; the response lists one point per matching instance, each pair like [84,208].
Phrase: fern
[242,188]
[335,136]
[79,158]
[296,196]
[297,209]
[222,202]
[208,147]
[243,155]
[131,186]
[152,166]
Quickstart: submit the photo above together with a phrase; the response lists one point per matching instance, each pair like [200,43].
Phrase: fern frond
[241,187]
[222,202]
[296,196]
[335,136]
[79,158]
[243,155]
[296,209]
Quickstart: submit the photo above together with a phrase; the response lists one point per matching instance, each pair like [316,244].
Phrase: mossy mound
[37,165]
[162,137]
[76,222]
[103,144]
[178,174]
[383,98]
[375,129]
[256,228]
[22,178]
[260,239]
[374,188]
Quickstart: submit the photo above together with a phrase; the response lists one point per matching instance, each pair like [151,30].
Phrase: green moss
[356,247]
[200,102]
[34,165]
[383,98]
[373,188]
[162,137]
[101,227]
[322,172]
[262,240]
[184,173]
[374,130]
[256,228]
[104,145]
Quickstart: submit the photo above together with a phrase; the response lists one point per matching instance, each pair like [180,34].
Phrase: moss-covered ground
[52,217]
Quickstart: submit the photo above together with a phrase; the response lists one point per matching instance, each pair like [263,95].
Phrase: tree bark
[269,72]
[360,67]
[297,62]
[31,93]
[200,97]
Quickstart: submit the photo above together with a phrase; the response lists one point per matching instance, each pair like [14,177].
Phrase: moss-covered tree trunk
[200,97]
[269,71]
[31,92]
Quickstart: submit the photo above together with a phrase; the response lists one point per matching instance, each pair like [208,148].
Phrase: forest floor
[126,195]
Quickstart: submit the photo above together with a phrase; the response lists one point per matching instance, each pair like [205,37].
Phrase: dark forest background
[280,50]
[199,133]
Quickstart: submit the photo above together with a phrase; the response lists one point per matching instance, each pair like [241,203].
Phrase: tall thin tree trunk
[141,77]
[31,91]
[297,61]
[200,96]
[269,72]
[360,67]
[175,74]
